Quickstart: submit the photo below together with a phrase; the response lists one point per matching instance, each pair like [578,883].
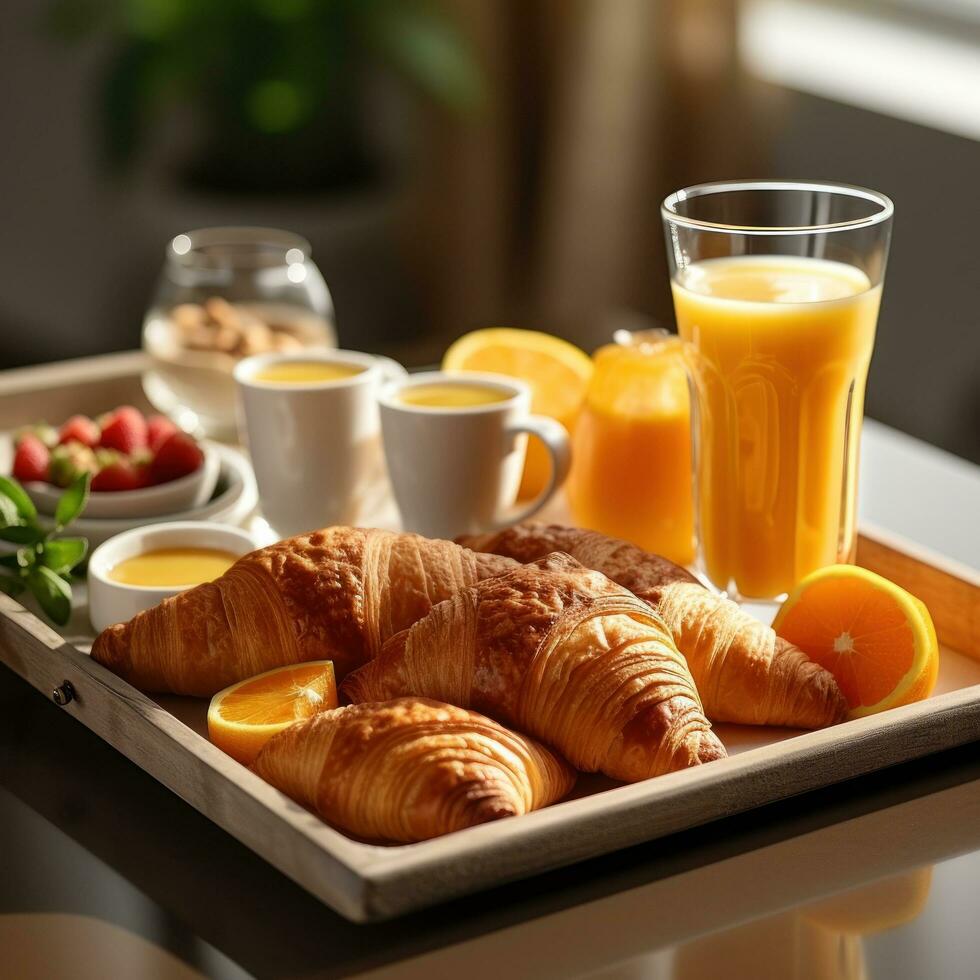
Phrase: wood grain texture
[950,591]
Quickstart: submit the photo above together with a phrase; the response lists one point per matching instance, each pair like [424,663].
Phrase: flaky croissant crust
[335,594]
[643,573]
[743,671]
[562,653]
[411,769]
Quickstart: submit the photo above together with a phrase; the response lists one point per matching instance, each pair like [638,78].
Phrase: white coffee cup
[457,470]
[315,445]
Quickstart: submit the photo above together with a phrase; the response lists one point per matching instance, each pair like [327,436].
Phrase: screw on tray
[63,694]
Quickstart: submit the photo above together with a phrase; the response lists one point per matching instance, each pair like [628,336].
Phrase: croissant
[410,769]
[743,671]
[562,653]
[333,595]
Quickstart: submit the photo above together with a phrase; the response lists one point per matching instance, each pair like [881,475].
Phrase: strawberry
[120,475]
[48,434]
[79,428]
[125,430]
[106,457]
[158,429]
[31,459]
[141,458]
[178,455]
[69,462]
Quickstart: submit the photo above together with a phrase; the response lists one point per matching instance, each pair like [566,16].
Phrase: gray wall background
[79,252]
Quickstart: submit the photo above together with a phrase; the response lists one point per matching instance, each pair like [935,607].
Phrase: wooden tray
[367,882]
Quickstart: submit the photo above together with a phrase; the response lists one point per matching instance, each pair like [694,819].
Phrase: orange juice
[631,456]
[461,394]
[780,353]
[306,372]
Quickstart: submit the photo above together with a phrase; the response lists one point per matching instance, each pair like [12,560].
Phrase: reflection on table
[828,880]
[819,941]
[820,906]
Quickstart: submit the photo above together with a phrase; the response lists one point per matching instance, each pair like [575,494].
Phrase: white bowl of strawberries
[141,467]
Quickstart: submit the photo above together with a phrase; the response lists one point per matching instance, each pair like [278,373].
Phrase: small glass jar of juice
[631,471]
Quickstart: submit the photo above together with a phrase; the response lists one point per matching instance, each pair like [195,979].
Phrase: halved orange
[243,717]
[556,371]
[877,640]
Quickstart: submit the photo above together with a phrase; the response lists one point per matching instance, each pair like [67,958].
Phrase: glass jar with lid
[225,294]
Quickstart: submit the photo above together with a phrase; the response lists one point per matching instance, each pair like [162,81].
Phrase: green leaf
[8,511]
[21,534]
[15,492]
[63,554]
[52,592]
[72,502]
[11,586]
[21,558]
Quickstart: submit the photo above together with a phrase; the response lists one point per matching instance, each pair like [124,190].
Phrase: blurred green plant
[42,563]
[275,88]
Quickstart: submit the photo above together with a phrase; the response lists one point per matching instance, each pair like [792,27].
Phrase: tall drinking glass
[776,289]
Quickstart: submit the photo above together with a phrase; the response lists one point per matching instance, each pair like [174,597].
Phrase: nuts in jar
[222,327]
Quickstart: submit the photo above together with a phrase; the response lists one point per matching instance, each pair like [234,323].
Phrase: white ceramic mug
[315,445]
[457,470]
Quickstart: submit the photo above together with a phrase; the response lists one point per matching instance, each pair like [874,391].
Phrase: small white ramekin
[112,602]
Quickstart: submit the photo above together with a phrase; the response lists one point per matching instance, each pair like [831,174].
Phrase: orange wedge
[557,372]
[874,637]
[243,717]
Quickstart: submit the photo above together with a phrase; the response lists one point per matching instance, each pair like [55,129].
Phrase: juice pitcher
[631,461]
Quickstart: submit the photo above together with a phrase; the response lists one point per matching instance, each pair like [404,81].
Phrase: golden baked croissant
[335,594]
[560,652]
[743,671]
[410,769]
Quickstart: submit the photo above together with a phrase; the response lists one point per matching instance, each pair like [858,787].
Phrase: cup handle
[556,440]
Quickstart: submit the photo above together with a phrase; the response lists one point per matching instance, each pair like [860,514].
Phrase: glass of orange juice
[776,289]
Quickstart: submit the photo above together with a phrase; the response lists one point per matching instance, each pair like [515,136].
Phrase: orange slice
[874,637]
[243,717]
[557,372]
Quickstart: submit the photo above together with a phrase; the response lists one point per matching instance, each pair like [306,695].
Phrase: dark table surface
[105,873]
